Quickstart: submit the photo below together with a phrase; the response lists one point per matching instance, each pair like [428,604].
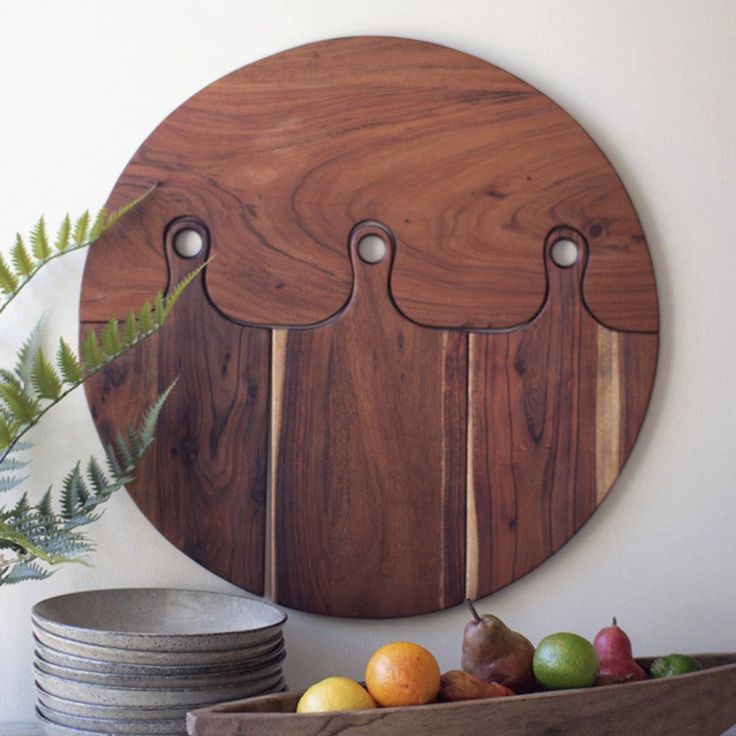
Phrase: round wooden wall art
[424,344]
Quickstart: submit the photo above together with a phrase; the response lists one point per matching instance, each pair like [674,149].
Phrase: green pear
[494,653]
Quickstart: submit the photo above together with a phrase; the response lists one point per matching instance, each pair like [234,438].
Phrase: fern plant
[37,537]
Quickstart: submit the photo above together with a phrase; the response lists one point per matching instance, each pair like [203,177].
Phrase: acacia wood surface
[348,386]
[369,437]
[203,482]
[698,704]
[555,407]
[468,165]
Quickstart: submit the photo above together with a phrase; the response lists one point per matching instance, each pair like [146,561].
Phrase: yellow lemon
[335,693]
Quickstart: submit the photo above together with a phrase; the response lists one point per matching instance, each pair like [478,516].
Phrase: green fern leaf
[114,467]
[98,225]
[150,418]
[22,506]
[135,444]
[44,507]
[20,572]
[64,235]
[21,258]
[69,365]
[114,216]
[26,358]
[6,433]
[23,406]
[93,356]
[145,322]
[70,493]
[97,478]
[46,380]
[81,226]
[173,296]
[40,241]
[130,330]
[159,310]
[8,482]
[111,339]
[8,280]
[124,453]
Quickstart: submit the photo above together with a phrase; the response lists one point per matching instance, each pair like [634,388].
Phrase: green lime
[674,664]
[564,661]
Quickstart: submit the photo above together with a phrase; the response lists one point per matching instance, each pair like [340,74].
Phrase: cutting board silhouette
[377,438]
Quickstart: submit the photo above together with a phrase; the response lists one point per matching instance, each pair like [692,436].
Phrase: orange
[402,673]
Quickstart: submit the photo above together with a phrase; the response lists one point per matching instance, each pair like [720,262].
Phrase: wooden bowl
[698,704]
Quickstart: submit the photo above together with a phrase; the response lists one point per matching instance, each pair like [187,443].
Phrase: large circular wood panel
[378,439]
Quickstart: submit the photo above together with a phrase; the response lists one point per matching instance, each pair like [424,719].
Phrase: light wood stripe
[608,411]
[471,516]
[278,357]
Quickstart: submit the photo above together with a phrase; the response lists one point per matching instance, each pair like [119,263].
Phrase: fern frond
[173,296]
[22,571]
[71,493]
[93,356]
[22,506]
[97,478]
[159,309]
[6,433]
[8,280]
[130,330]
[150,418]
[63,237]
[111,339]
[8,482]
[21,258]
[98,225]
[44,506]
[69,365]
[22,405]
[40,241]
[20,409]
[46,380]
[117,214]
[113,465]
[145,320]
[26,357]
[81,227]
[11,465]
[124,453]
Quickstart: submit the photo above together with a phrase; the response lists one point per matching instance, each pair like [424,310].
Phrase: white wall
[83,83]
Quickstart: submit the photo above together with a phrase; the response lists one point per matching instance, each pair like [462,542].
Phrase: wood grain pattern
[699,704]
[350,390]
[203,483]
[555,408]
[370,441]
[468,165]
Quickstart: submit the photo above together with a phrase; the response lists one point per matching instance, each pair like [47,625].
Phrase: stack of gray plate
[134,661]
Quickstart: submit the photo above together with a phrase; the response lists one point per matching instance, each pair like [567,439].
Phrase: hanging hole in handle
[188,242]
[565,252]
[371,249]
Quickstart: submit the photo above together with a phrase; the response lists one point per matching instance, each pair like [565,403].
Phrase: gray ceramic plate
[160,619]
[124,713]
[164,727]
[103,695]
[110,712]
[157,681]
[54,656]
[137,656]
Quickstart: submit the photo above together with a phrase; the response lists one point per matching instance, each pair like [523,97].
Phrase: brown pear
[458,685]
[494,653]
